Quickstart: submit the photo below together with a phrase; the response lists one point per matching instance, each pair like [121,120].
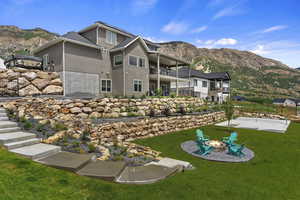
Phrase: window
[133,61]
[204,84]
[118,60]
[106,85]
[45,61]
[195,82]
[142,62]
[137,85]
[111,37]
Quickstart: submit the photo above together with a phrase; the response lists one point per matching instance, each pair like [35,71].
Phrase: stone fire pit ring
[221,156]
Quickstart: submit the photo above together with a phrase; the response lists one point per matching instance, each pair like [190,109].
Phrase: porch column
[158,72]
[176,78]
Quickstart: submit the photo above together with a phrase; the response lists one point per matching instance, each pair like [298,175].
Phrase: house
[285,102]
[102,59]
[214,87]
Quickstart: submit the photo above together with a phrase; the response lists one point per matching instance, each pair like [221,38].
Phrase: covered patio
[163,71]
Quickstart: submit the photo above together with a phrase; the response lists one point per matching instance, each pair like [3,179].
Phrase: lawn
[274,173]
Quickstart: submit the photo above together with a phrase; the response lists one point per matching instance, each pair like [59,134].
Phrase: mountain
[22,41]
[252,75]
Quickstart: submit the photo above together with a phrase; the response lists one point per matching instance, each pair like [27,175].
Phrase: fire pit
[217,145]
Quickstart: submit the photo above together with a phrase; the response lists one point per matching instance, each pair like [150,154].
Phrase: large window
[195,82]
[137,86]
[106,85]
[133,61]
[204,84]
[142,62]
[111,37]
[118,60]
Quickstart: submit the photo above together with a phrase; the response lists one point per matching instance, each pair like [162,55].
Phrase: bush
[60,127]
[40,127]
[166,111]
[132,114]
[28,125]
[92,148]
[85,135]
[182,110]
[152,112]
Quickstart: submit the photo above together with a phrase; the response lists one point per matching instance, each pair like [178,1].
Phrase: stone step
[15,137]
[37,151]
[4,119]
[3,115]
[2,110]
[7,124]
[9,130]
[19,144]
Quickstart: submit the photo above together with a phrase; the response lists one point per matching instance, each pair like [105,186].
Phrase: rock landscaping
[24,82]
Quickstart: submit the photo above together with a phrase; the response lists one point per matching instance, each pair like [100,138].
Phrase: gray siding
[136,73]
[102,38]
[91,35]
[55,53]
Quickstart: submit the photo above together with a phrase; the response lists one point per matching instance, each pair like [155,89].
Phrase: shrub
[92,148]
[132,114]
[28,125]
[60,127]
[22,119]
[85,135]
[182,109]
[166,111]
[152,112]
[40,127]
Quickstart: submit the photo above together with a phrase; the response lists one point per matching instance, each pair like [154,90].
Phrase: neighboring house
[238,98]
[214,87]
[2,66]
[102,59]
[285,102]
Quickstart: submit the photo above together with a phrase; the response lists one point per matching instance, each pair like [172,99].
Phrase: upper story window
[111,37]
[133,61]
[195,82]
[204,84]
[142,62]
[118,60]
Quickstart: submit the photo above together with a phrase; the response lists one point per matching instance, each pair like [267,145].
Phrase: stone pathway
[28,145]
[191,147]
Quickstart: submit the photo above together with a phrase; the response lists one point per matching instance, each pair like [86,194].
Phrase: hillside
[251,74]
[22,41]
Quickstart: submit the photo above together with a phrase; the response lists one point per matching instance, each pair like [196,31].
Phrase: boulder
[29,75]
[53,89]
[23,82]
[75,110]
[87,110]
[12,75]
[13,85]
[40,83]
[53,75]
[57,82]
[29,91]
[43,75]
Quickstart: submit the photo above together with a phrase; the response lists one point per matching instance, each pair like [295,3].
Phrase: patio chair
[231,139]
[201,136]
[236,150]
[203,148]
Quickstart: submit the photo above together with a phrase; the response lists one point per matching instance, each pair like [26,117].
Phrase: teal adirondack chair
[236,150]
[203,148]
[231,139]
[201,136]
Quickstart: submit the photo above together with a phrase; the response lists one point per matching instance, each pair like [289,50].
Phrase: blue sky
[267,27]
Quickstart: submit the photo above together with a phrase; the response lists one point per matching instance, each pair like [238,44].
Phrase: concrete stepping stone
[2,110]
[4,119]
[3,115]
[145,174]
[15,137]
[67,160]
[107,170]
[7,124]
[9,130]
[19,144]
[171,163]
[37,151]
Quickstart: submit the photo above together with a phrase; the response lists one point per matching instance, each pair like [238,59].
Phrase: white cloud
[229,11]
[140,7]
[260,49]
[175,28]
[199,30]
[155,40]
[216,43]
[274,28]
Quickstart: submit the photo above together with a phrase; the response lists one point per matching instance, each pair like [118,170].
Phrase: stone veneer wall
[24,82]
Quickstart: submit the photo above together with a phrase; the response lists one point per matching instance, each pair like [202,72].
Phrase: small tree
[229,111]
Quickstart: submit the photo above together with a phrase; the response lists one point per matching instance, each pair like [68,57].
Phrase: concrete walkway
[28,145]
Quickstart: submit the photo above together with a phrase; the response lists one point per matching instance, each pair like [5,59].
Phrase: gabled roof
[76,37]
[126,43]
[279,100]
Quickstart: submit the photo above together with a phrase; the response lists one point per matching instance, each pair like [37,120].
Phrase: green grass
[274,173]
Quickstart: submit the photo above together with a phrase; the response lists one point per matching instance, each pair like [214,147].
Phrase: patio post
[158,72]
[176,78]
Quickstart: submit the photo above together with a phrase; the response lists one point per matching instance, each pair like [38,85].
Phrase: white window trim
[141,85]
[106,85]
[115,60]
[138,59]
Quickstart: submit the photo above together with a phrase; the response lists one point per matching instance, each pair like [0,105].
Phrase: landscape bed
[273,173]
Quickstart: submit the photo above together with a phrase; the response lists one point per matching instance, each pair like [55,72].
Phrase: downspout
[64,68]
[124,74]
